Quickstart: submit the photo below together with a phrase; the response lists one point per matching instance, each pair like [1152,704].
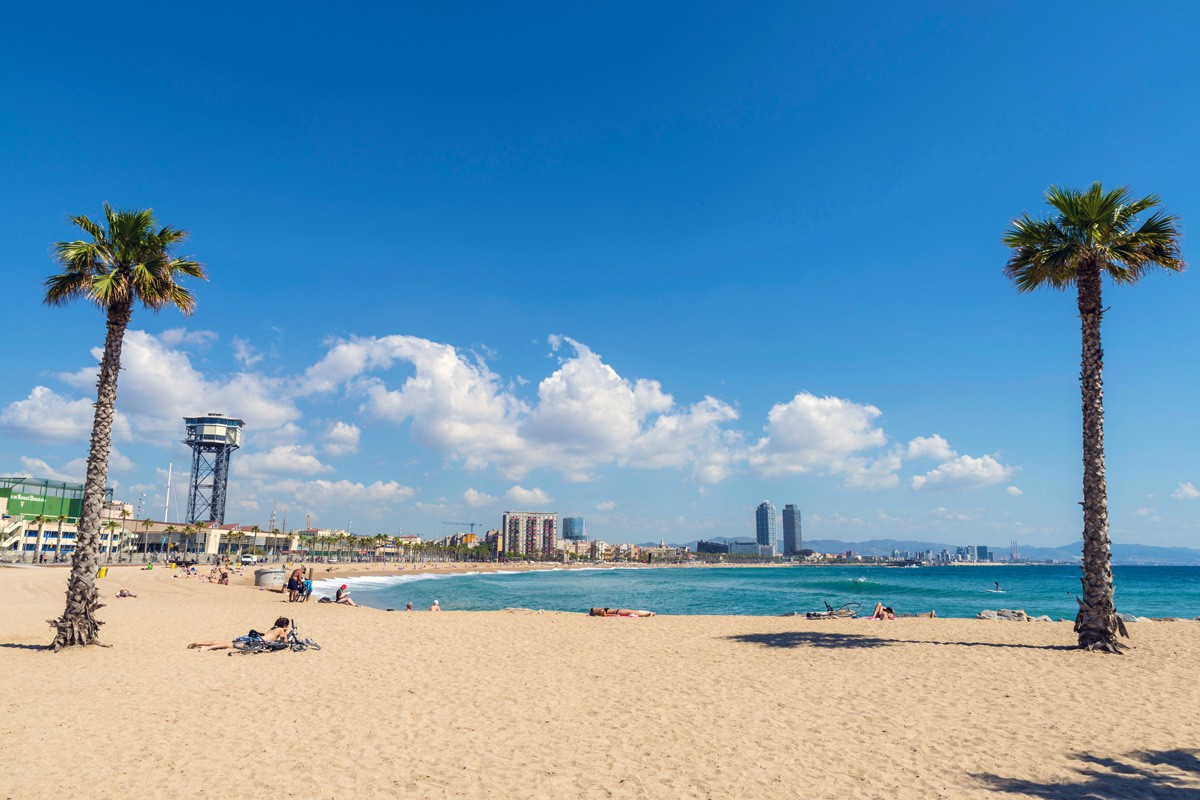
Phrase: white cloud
[586,416]
[1145,512]
[284,460]
[477,499]
[963,473]
[341,439]
[245,353]
[934,447]
[75,470]
[1014,491]
[182,336]
[607,505]
[528,499]
[324,493]
[1186,491]
[823,435]
[46,416]
[159,386]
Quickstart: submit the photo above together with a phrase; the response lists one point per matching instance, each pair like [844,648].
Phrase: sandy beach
[530,704]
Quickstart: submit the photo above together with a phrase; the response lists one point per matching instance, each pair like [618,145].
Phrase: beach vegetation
[127,259]
[1091,234]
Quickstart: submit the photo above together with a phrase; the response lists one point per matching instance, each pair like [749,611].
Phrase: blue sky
[651,265]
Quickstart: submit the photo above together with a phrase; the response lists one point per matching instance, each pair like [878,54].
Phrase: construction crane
[473,525]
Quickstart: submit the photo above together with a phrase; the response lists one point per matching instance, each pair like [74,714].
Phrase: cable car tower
[213,438]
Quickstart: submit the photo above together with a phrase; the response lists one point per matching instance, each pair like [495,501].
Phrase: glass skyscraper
[572,528]
[793,538]
[766,525]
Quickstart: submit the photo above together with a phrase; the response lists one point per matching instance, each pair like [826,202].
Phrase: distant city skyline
[663,265]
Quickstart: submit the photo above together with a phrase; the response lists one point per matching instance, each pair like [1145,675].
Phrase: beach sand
[527,704]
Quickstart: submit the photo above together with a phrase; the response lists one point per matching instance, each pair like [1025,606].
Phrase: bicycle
[249,645]
[844,611]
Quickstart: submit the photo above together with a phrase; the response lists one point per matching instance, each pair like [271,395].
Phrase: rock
[988,614]
[1015,616]
[1042,618]
[1127,617]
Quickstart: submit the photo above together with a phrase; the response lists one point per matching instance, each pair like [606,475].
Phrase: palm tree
[58,542]
[1092,233]
[111,526]
[146,523]
[41,520]
[128,260]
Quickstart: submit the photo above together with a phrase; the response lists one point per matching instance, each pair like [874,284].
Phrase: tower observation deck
[213,438]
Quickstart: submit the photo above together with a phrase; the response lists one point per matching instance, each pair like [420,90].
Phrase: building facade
[529,532]
[766,525]
[793,538]
[572,528]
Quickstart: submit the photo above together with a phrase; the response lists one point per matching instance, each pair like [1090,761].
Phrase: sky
[650,264]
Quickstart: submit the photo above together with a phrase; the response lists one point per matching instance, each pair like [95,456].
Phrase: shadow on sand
[1161,774]
[15,646]
[852,640]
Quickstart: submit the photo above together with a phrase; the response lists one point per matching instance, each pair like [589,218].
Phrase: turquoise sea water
[951,591]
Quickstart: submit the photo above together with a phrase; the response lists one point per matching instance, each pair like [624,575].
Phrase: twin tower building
[766,525]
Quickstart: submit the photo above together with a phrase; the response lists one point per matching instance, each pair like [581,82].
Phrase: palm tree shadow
[790,639]
[15,646]
[1162,774]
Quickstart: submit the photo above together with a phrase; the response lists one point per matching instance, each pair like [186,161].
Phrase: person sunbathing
[125,593]
[883,612]
[278,633]
[618,612]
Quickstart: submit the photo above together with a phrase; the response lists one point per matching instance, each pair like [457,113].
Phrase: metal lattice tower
[213,438]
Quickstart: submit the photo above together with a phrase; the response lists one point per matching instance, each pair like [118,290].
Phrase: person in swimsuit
[295,584]
[277,634]
[618,612]
[883,612]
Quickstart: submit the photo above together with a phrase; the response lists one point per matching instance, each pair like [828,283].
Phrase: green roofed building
[27,498]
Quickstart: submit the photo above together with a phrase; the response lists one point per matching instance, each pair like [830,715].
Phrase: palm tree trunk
[1097,622]
[78,624]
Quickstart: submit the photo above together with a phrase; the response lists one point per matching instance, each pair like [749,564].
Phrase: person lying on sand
[277,634]
[343,597]
[882,612]
[125,593]
[618,612]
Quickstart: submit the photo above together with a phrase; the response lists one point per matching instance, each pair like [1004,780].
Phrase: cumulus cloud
[824,435]
[477,499]
[607,505]
[341,439]
[46,416]
[159,386]
[934,447]
[1014,491]
[176,337]
[1186,491]
[586,415]
[963,473]
[325,493]
[284,460]
[528,499]
[74,470]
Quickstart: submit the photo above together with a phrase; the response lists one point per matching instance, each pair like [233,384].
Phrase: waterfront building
[712,547]
[529,532]
[981,553]
[751,549]
[793,539]
[572,528]
[766,525]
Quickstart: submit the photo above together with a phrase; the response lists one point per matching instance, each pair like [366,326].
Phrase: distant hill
[1123,554]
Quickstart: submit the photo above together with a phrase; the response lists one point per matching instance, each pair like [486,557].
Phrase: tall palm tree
[128,259]
[41,520]
[146,523]
[1092,233]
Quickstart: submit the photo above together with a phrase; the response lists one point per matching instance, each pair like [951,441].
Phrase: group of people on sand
[887,612]
[299,586]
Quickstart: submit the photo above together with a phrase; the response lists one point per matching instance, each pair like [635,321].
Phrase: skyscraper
[793,537]
[572,528]
[766,525]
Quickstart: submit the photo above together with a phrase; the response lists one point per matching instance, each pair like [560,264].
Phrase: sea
[1158,591]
